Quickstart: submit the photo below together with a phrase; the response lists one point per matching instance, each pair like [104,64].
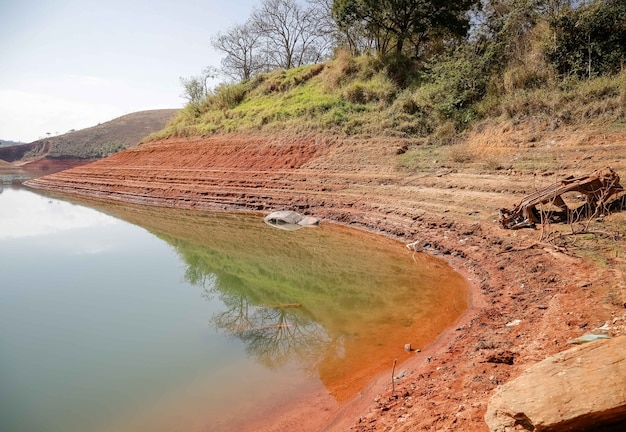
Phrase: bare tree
[291,35]
[279,34]
[327,28]
[241,45]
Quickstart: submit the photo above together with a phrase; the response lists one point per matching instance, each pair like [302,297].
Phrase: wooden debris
[597,188]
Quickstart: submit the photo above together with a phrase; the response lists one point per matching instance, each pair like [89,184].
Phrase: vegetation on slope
[355,95]
[518,64]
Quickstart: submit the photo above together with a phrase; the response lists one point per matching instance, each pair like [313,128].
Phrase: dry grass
[356,96]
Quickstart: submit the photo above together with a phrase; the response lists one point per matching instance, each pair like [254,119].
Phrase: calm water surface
[136,319]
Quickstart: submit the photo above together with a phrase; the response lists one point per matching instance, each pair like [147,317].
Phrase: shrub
[522,77]
[406,103]
[590,40]
[446,133]
[460,154]
[227,96]
[355,93]
[378,89]
[400,70]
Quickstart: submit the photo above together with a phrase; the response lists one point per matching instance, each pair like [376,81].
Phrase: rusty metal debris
[596,188]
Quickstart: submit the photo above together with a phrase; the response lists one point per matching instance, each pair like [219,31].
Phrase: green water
[135,319]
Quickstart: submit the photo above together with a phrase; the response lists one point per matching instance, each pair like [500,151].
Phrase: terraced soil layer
[448,204]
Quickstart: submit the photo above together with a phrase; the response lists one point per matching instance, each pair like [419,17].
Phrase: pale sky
[71,64]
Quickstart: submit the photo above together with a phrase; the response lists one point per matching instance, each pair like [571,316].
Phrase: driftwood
[597,188]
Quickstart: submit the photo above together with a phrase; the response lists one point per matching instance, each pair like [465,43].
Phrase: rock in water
[289,220]
[583,388]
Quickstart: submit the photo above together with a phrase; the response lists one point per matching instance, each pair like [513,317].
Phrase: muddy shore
[529,297]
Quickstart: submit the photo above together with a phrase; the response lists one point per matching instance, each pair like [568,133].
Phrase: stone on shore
[290,220]
[583,388]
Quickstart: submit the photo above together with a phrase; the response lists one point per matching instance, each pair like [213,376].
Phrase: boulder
[289,220]
[583,388]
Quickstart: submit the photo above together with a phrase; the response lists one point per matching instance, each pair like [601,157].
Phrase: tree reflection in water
[362,297]
[272,334]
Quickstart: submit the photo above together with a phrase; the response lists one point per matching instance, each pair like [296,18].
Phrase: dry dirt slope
[448,198]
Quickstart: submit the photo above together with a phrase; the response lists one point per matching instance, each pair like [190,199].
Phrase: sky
[72,64]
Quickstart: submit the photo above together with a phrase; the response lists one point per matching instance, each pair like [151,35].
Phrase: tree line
[587,37]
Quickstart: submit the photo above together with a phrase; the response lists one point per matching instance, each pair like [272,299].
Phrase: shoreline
[379,386]
[528,297]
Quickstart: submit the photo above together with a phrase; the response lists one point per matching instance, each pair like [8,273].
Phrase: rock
[504,357]
[578,389]
[588,337]
[514,323]
[401,375]
[604,328]
[289,220]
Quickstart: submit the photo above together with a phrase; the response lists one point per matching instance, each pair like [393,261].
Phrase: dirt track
[450,203]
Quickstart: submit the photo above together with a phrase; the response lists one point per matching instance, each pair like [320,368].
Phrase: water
[131,318]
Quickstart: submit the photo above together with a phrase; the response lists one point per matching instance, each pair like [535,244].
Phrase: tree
[391,23]
[354,39]
[505,25]
[197,87]
[290,33]
[241,45]
[590,40]
[553,8]
[279,34]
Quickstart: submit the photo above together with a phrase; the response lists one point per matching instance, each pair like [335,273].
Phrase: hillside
[358,96]
[98,141]
[16,152]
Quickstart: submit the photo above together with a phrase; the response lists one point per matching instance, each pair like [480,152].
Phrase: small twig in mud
[541,245]
[532,246]
[595,233]
[393,381]
[415,246]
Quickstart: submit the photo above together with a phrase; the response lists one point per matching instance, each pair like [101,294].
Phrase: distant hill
[9,143]
[95,142]
[16,152]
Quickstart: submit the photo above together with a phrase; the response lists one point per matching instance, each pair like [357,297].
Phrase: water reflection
[273,335]
[340,303]
[26,214]
[124,341]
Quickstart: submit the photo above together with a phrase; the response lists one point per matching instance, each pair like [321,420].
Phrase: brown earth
[448,198]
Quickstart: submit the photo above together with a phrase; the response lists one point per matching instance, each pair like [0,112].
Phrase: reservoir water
[124,318]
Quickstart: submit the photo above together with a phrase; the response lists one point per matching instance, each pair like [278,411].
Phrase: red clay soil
[555,296]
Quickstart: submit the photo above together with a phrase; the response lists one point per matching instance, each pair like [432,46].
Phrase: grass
[358,96]
[345,96]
